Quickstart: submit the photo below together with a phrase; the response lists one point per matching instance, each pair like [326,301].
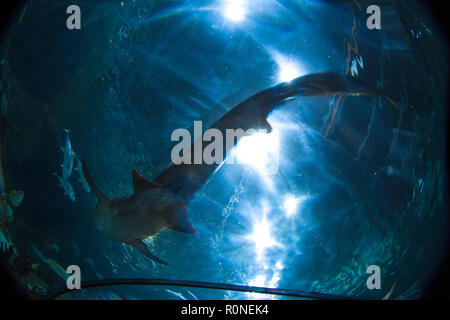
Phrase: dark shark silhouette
[160,204]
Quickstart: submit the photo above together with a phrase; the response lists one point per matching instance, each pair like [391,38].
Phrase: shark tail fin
[101,197]
[180,222]
[319,84]
[142,248]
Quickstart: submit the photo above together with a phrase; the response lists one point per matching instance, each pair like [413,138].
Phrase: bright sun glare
[234,10]
[288,68]
[288,71]
[261,237]
[259,150]
[293,203]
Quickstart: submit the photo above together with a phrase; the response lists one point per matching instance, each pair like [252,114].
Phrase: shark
[162,203]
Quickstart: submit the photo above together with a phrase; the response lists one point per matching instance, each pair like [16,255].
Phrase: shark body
[160,204]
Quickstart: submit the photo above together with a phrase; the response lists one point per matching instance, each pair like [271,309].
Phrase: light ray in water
[260,150]
[234,10]
[288,68]
[263,281]
[262,238]
[167,13]
[292,204]
[279,265]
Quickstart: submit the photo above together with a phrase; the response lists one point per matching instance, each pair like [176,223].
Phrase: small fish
[35,266]
[68,157]
[99,275]
[67,187]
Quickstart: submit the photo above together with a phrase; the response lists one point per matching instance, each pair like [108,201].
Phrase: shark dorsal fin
[140,184]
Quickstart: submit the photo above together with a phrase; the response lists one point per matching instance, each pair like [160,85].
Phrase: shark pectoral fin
[180,222]
[142,248]
[141,184]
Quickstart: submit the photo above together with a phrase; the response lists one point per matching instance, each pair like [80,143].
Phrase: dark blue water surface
[359,181]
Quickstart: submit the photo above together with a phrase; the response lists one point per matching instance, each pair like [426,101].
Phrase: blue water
[359,182]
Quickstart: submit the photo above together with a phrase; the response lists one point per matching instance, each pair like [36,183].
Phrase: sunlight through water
[288,68]
[260,150]
[292,204]
[234,10]
[262,238]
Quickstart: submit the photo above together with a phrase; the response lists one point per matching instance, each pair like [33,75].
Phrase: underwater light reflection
[292,204]
[234,10]
[279,265]
[288,71]
[262,280]
[259,150]
[288,68]
[262,238]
